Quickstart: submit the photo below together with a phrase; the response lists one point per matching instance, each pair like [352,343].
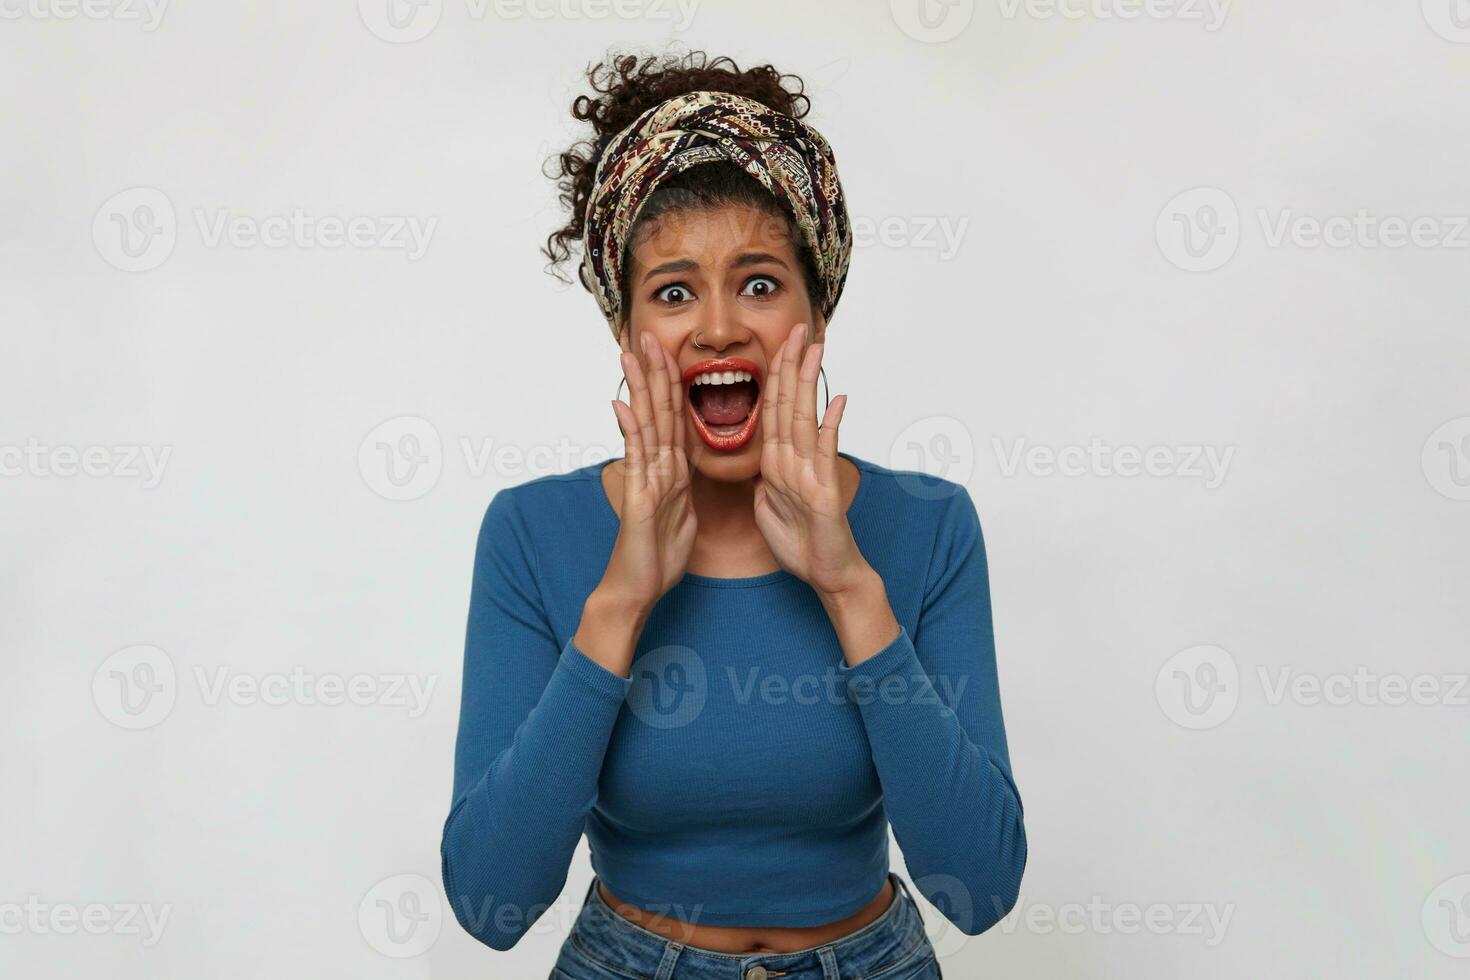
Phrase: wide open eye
[673,294]
[769,284]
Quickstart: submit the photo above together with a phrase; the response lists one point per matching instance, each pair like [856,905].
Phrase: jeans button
[756,973]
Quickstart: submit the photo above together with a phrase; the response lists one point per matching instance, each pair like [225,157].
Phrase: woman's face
[731,277]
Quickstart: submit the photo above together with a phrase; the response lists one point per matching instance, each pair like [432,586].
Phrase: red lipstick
[724,438]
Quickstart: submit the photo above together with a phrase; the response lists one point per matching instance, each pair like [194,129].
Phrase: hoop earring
[826,394]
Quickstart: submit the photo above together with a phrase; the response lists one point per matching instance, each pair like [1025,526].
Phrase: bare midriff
[750,939]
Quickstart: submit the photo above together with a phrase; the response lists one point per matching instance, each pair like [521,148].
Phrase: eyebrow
[741,261]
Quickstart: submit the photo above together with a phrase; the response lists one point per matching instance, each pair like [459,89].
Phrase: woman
[734,655]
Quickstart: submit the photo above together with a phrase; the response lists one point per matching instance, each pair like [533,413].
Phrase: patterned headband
[789,158]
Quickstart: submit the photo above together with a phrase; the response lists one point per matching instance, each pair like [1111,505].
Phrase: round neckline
[748,581]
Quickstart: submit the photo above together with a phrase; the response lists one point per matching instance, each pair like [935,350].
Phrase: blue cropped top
[744,774]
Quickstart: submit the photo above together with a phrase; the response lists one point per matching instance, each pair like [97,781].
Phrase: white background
[1069,310]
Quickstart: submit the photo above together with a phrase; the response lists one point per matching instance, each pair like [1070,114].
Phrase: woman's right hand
[656,533]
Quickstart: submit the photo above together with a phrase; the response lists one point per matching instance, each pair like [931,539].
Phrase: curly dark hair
[626,86]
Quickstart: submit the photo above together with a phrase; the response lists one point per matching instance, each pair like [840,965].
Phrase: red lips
[722,364]
[724,441]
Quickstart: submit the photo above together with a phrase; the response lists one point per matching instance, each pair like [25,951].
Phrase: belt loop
[671,956]
[829,963]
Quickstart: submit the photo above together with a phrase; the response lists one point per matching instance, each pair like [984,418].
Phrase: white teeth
[722,377]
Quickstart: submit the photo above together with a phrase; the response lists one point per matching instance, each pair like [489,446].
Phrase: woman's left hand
[799,505]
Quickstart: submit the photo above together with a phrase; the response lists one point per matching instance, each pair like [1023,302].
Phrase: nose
[719,329]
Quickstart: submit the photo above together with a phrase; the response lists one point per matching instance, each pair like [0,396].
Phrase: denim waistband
[622,948]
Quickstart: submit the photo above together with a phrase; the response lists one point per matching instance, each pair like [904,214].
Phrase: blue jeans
[602,945]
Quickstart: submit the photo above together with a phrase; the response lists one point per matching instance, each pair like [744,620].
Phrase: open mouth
[724,400]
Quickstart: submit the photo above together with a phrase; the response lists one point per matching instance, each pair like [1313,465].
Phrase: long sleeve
[535,721]
[930,704]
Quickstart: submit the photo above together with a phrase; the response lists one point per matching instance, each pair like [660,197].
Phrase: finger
[642,408]
[827,440]
[658,389]
[680,413]
[789,355]
[769,408]
[633,470]
[804,414]
[638,410]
